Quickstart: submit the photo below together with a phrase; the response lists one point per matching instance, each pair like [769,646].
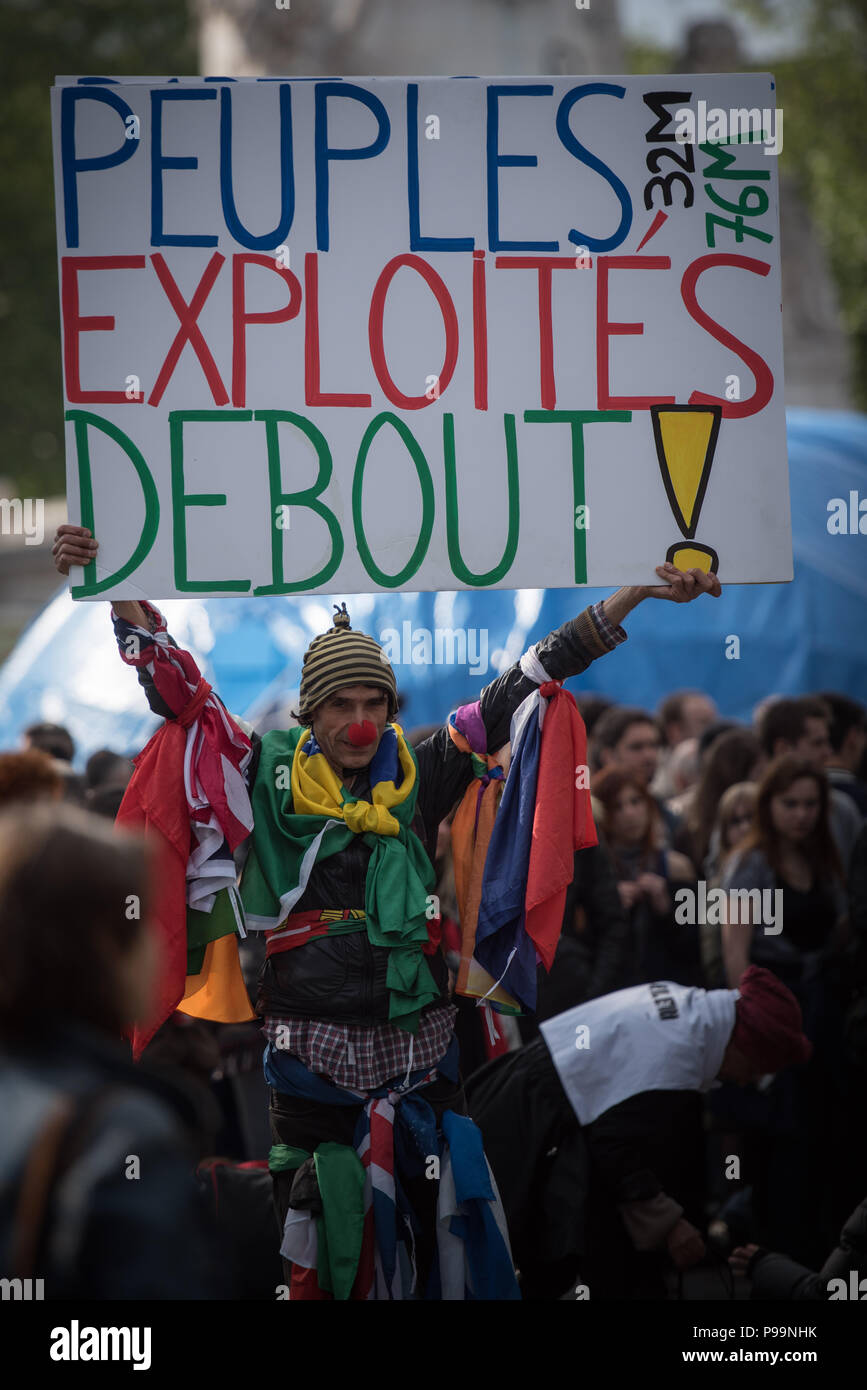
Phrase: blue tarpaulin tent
[793,638]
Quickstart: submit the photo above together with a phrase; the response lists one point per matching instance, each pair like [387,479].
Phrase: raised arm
[569,650]
[445,772]
[75,545]
[131,612]
[624,1143]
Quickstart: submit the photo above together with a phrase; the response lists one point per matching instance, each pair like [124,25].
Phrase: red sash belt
[300,927]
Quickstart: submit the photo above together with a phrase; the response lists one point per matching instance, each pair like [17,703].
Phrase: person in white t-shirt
[594,1132]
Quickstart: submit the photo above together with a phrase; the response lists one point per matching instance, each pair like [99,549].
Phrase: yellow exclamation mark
[685,437]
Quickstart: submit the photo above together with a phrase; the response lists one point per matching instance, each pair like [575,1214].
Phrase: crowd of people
[715,1120]
[686,803]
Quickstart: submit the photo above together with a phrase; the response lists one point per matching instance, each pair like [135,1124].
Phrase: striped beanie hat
[342,657]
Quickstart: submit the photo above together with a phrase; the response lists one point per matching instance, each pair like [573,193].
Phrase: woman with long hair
[735,756]
[794,925]
[789,852]
[647,877]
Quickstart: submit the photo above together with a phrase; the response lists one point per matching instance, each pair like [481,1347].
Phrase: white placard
[348,335]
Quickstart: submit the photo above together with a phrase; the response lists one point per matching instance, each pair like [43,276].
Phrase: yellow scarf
[316,790]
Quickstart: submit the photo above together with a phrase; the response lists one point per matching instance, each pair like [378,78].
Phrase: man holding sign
[376,1165]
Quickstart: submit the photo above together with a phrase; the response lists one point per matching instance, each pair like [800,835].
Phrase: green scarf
[340,1226]
[400,877]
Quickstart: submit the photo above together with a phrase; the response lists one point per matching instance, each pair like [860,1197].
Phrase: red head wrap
[768,1025]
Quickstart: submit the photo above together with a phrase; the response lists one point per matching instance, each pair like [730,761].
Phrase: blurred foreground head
[74,939]
[29,776]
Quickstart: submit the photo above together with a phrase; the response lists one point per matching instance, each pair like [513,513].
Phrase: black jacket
[565,1186]
[343,978]
[776,1276]
[98,1229]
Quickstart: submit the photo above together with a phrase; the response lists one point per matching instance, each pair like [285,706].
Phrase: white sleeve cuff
[533,668]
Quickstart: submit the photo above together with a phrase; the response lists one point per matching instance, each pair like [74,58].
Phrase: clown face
[339,725]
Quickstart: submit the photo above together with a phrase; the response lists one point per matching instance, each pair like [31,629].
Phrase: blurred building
[249,38]
[309,38]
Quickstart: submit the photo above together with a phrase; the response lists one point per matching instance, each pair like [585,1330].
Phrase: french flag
[544,817]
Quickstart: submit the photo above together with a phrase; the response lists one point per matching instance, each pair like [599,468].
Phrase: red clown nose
[360,735]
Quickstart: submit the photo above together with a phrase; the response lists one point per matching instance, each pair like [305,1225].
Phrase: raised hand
[682,586]
[73,545]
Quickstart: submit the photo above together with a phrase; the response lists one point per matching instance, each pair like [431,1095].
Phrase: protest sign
[351,335]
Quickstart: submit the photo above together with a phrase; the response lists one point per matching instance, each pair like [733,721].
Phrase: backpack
[60,1139]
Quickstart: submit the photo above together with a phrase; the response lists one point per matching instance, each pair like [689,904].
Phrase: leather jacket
[342,979]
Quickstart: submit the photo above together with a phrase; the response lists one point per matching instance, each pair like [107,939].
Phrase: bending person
[594,1130]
